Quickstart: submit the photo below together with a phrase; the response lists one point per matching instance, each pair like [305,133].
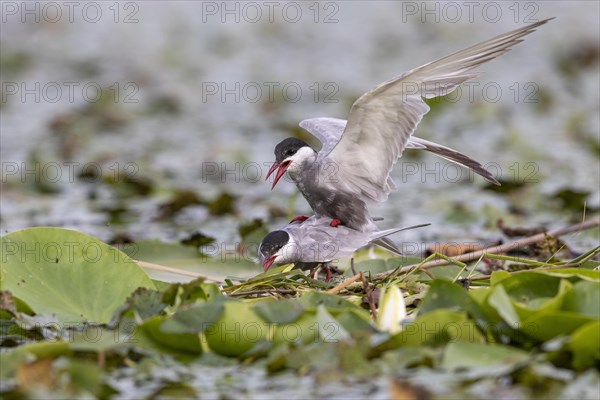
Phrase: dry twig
[501,248]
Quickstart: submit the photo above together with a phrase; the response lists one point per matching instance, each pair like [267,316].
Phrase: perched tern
[314,241]
[354,164]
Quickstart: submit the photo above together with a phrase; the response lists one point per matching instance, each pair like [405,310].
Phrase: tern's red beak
[282,168]
[272,169]
[267,262]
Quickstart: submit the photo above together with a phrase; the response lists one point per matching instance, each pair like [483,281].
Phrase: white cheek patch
[288,253]
[303,154]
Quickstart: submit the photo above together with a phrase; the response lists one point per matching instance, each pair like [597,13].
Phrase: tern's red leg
[300,218]
[335,223]
[328,276]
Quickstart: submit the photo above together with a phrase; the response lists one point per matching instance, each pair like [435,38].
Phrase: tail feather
[379,238]
[388,244]
[452,155]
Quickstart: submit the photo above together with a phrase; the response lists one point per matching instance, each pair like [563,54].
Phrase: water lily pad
[237,331]
[68,274]
[280,312]
[585,344]
[548,325]
[433,329]
[478,355]
[583,298]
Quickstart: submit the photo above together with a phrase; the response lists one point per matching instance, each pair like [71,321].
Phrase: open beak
[281,168]
[267,262]
[272,169]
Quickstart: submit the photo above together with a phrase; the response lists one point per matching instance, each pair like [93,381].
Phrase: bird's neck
[302,166]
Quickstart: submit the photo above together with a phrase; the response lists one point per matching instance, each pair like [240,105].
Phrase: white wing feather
[382,120]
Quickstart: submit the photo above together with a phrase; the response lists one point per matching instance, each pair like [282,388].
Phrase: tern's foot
[300,218]
[335,223]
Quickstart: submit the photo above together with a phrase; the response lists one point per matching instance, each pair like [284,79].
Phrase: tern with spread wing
[354,164]
[314,241]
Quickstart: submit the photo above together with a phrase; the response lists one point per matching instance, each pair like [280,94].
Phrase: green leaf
[178,294]
[443,294]
[96,338]
[584,298]
[586,274]
[499,276]
[591,264]
[528,287]
[500,301]
[544,326]
[280,311]
[375,260]
[46,349]
[585,345]
[433,329]
[142,304]
[189,259]
[84,375]
[182,345]
[333,303]
[531,292]
[478,355]
[355,322]
[237,331]
[330,330]
[68,274]
[194,319]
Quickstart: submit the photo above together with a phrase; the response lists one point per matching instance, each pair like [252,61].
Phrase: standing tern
[354,164]
[314,241]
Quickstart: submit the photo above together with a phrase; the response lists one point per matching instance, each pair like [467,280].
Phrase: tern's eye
[288,153]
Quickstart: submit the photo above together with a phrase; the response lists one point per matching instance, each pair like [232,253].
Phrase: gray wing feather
[328,130]
[382,120]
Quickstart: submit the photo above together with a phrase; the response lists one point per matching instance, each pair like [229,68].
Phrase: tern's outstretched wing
[329,131]
[382,120]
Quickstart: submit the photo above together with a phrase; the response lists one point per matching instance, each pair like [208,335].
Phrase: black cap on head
[272,243]
[288,147]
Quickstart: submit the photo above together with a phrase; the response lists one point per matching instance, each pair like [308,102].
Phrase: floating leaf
[585,344]
[433,329]
[237,331]
[280,312]
[584,298]
[330,330]
[479,355]
[68,274]
[544,326]
[194,319]
[500,301]
[184,346]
